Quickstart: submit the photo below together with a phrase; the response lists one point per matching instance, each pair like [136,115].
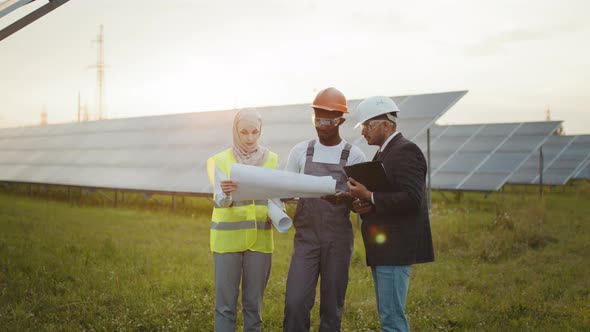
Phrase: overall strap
[310,150]
[345,154]
[309,154]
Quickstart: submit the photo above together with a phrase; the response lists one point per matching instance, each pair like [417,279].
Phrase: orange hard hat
[330,99]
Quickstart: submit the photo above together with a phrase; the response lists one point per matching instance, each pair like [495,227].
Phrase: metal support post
[541,171]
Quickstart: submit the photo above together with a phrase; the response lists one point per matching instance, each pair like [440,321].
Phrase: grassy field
[509,262]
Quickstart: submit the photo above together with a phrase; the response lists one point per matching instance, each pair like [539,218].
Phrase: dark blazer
[397,230]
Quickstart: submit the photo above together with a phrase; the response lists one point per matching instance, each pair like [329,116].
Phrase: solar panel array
[563,158]
[581,147]
[150,153]
[481,157]
[167,153]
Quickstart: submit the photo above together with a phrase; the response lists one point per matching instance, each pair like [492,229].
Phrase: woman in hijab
[241,234]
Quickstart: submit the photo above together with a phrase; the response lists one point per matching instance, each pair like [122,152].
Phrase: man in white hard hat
[396,224]
[323,241]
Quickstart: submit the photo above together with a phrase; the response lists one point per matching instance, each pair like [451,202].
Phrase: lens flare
[380,238]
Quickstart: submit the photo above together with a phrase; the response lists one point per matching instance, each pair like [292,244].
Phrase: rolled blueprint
[263,183]
[279,218]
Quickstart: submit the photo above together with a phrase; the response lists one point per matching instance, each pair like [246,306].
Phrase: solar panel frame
[563,156]
[484,153]
[522,142]
[529,170]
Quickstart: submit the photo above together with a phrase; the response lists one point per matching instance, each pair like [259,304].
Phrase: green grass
[509,262]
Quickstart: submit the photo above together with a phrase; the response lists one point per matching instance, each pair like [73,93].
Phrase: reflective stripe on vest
[240,225]
[243,225]
[242,203]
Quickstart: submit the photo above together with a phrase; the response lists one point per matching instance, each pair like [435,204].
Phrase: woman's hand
[228,186]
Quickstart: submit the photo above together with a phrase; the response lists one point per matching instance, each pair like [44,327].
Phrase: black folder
[371,174]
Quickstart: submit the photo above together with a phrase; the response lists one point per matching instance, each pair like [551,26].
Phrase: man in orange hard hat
[323,241]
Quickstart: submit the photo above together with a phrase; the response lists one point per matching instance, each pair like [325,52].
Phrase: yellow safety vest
[244,225]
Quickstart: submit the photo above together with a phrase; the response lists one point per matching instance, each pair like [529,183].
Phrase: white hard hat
[374,106]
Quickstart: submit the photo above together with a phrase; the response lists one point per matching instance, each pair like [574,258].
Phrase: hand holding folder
[371,174]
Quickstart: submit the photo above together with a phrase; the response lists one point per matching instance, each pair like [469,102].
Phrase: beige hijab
[256,155]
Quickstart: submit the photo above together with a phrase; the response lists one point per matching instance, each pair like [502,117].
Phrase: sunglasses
[318,122]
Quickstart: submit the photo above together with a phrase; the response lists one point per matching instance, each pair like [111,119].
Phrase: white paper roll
[262,183]
[279,218]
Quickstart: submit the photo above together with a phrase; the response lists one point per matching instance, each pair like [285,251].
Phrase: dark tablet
[371,174]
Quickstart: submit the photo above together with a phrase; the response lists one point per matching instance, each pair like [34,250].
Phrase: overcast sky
[516,58]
